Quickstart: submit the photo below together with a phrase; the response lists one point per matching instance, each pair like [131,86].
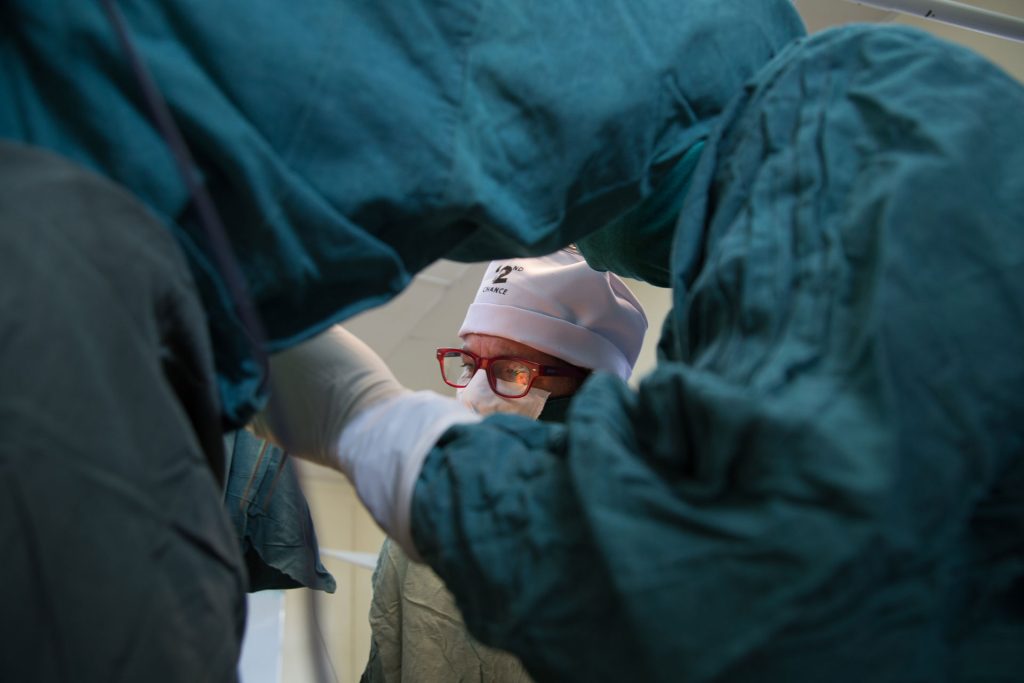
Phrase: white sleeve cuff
[382,451]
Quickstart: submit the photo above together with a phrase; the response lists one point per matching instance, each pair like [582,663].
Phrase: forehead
[487,346]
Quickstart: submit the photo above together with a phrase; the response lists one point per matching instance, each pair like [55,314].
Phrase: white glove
[382,452]
[334,401]
[316,388]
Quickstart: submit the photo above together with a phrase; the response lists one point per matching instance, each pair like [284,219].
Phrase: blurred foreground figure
[822,479]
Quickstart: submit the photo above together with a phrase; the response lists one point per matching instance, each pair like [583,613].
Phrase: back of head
[559,305]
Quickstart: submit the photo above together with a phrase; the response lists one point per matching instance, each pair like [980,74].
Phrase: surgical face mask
[478,397]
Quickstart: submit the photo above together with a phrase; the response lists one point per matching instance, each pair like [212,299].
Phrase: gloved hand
[335,402]
[318,387]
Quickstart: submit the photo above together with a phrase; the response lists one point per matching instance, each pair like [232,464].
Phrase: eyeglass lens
[511,377]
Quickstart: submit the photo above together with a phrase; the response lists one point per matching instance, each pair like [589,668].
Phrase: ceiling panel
[821,14]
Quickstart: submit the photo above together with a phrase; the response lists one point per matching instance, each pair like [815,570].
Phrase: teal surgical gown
[271,518]
[823,478]
[347,145]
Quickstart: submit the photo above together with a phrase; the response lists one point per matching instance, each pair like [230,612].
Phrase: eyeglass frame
[537,370]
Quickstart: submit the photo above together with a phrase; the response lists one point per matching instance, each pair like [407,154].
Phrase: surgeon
[821,479]
[535,330]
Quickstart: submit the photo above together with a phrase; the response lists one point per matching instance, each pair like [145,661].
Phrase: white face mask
[477,396]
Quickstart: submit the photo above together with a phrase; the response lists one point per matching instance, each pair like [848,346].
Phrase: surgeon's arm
[500,514]
[335,402]
[673,533]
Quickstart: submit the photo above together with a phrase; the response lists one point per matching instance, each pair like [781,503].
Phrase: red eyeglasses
[508,376]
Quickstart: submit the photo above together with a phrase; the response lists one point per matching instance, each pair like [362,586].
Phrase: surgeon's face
[491,347]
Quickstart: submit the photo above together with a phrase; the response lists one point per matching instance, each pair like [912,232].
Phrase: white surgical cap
[560,306]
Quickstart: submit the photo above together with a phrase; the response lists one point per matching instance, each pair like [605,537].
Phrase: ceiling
[820,14]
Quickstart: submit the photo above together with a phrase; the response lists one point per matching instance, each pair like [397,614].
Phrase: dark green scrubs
[119,563]
[349,144]
[271,518]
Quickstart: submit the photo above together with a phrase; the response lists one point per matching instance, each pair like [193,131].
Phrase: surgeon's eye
[458,369]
